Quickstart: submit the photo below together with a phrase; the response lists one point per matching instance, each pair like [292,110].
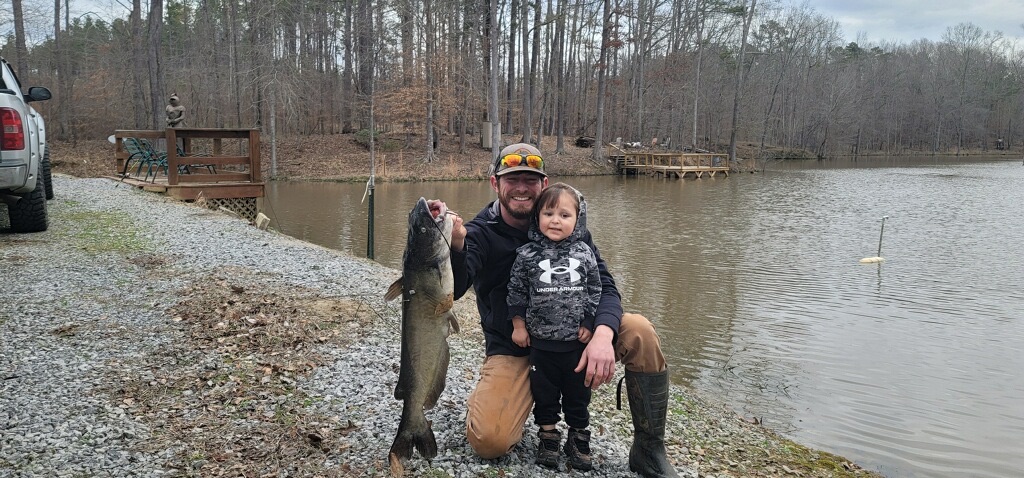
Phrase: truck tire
[47,179]
[29,213]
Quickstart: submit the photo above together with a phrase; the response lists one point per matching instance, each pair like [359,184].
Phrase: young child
[553,294]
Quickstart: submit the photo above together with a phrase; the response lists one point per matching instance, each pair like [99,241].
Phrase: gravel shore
[142,336]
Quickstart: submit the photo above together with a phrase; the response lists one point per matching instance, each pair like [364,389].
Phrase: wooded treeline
[676,69]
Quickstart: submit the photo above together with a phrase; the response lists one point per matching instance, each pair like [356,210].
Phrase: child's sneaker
[577,449]
[547,448]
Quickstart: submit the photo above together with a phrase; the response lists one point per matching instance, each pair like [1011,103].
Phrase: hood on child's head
[581,217]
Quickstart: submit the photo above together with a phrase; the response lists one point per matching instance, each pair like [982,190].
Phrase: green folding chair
[143,154]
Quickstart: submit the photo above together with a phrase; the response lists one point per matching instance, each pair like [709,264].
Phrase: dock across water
[671,164]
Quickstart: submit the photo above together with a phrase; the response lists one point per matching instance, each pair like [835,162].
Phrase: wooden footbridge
[670,164]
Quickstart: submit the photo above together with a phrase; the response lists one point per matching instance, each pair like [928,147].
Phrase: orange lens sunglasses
[513,160]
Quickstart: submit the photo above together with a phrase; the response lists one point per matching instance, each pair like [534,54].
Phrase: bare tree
[364,49]
[58,62]
[566,71]
[602,82]
[154,59]
[19,37]
[748,18]
[530,60]
[467,47]
[510,74]
[966,40]
[560,74]
[347,75]
[429,73]
[701,15]
[492,105]
[140,71]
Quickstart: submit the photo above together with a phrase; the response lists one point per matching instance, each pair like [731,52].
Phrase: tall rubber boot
[648,403]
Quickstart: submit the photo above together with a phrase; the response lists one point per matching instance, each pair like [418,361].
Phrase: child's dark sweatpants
[547,370]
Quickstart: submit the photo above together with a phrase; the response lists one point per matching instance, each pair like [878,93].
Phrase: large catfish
[427,290]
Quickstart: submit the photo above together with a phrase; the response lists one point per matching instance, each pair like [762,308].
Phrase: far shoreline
[339,158]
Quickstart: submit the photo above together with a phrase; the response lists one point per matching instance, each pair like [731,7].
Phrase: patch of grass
[436,473]
[817,460]
[493,472]
[100,231]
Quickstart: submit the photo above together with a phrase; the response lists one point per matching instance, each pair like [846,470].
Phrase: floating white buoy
[878,258]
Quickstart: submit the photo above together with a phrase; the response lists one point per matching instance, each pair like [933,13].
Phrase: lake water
[914,367]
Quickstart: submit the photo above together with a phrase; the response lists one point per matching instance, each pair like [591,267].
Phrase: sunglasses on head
[515,159]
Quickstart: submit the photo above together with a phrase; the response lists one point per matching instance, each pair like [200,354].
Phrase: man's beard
[516,213]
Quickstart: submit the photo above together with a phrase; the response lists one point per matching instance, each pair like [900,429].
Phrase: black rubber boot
[648,403]
[577,449]
[547,447]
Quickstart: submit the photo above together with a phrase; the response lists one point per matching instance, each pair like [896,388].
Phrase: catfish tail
[420,436]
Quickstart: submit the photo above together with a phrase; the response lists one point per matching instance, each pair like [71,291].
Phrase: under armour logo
[549,271]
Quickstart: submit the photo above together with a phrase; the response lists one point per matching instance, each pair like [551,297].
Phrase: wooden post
[254,155]
[172,156]
[119,153]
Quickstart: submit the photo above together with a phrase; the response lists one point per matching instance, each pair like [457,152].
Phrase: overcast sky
[902,21]
[906,20]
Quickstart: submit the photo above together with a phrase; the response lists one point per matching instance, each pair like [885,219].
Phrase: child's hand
[521,337]
[585,334]
[519,334]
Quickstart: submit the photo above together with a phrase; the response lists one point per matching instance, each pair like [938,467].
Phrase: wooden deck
[671,165]
[195,190]
[232,154]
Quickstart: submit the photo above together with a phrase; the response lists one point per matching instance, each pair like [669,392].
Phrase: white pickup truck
[25,183]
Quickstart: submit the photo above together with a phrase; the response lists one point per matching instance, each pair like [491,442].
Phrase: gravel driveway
[142,336]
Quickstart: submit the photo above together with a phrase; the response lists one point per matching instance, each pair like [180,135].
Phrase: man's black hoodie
[485,263]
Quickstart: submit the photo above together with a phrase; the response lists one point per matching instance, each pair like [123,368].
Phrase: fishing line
[270,204]
[438,226]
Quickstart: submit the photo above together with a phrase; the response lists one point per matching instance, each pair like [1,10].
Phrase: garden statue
[175,112]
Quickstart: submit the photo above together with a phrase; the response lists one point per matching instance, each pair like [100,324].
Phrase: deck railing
[241,164]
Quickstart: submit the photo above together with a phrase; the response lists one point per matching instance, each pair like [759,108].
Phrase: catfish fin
[445,304]
[394,290]
[397,470]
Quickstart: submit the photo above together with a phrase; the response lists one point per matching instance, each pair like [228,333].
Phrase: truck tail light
[13,130]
